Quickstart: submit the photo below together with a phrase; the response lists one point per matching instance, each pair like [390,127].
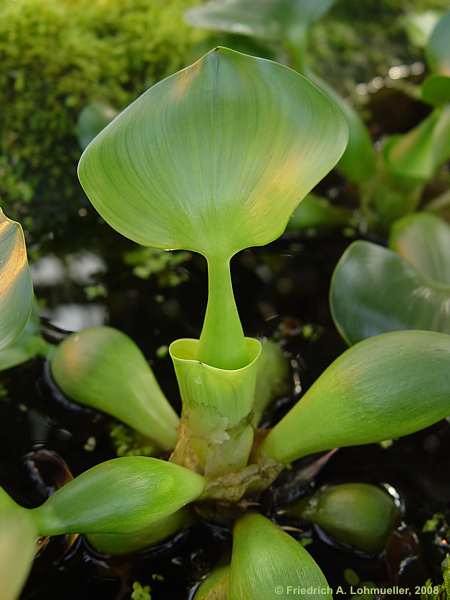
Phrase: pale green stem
[222,341]
[296,46]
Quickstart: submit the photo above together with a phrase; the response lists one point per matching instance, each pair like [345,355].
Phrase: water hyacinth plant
[213,160]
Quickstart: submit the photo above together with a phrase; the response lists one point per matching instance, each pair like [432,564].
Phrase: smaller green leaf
[267,563]
[266,19]
[123,495]
[18,537]
[103,368]
[124,543]
[16,288]
[438,47]
[417,275]
[423,240]
[92,119]
[358,514]
[215,586]
[384,387]
[316,212]
[436,90]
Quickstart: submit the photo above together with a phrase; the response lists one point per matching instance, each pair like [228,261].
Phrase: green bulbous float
[357,514]
[215,586]
[120,496]
[103,368]
[384,387]
[267,563]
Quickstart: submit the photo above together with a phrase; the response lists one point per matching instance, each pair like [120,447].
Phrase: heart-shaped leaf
[101,367]
[16,288]
[418,280]
[123,495]
[214,158]
[438,47]
[266,19]
[358,514]
[267,563]
[382,388]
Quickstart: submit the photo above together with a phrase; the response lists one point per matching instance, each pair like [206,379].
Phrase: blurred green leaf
[120,496]
[101,367]
[267,563]
[16,288]
[266,19]
[419,26]
[93,118]
[417,276]
[358,514]
[418,153]
[436,90]
[423,240]
[438,47]
[317,212]
[384,387]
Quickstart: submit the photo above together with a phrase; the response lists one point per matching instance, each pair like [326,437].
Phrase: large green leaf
[16,288]
[417,280]
[438,46]
[436,90]
[123,495]
[382,388]
[214,158]
[267,563]
[266,19]
[358,514]
[101,367]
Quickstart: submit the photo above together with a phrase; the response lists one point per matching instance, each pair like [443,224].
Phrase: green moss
[141,592]
[57,56]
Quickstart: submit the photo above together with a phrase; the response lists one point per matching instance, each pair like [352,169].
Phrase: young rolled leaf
[418,279]
[124,543]
[103,368]
[16,288]
[384,387]
[123,495]
[271,378]
[215,586]
[216,435]
[18,537]
[228,147]
[267,563]
[266,19]
[438,47]
[357,514]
